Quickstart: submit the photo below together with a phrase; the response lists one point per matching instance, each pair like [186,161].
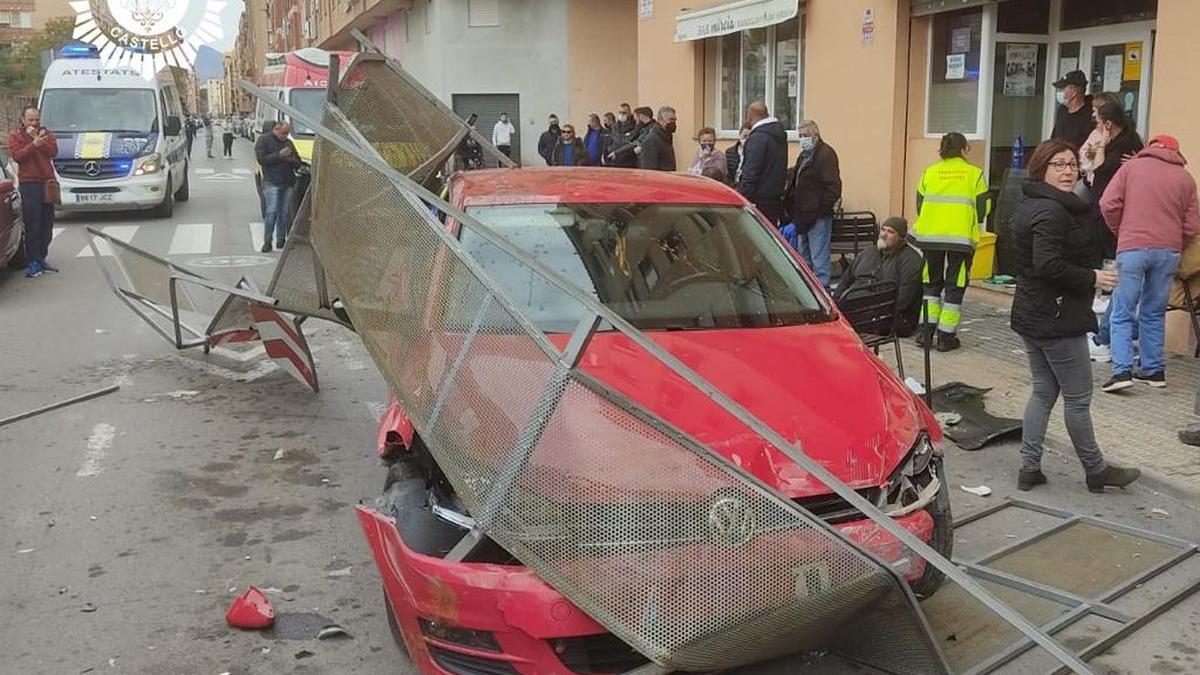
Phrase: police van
[120,136]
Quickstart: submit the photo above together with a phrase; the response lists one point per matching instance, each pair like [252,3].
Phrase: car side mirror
[173,125]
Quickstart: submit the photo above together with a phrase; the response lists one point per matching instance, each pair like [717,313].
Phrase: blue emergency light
[78,51]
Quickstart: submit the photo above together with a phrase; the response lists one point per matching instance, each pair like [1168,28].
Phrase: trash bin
[985,256]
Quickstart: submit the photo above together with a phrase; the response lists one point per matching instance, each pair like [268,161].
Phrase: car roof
[587,185]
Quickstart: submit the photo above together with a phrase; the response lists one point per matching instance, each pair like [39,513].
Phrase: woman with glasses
[1058,259]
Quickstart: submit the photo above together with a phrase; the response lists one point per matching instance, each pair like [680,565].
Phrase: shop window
[957,43]
[762,64]
[1088,13]
[1031,17]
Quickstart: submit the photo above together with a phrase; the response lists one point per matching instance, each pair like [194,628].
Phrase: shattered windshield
[660,266]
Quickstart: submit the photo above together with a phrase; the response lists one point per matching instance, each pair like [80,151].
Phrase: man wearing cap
[1152,207]
[1073,119]
[893,261]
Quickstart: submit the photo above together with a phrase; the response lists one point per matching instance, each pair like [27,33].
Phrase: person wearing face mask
[892,261]
[952,202]
[658,149]
[733,156]
[1073,117]
[627,144]
[812,193]
[707,156]
[764,163]
[502,134]
[34,147]
[549,139]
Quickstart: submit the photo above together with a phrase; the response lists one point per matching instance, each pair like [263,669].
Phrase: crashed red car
[772,340]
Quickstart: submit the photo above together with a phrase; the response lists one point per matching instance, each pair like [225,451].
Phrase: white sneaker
[1099,353]
[1100,304]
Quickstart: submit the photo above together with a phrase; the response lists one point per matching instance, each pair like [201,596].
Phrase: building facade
[16,22]
[217,97]
[44,10]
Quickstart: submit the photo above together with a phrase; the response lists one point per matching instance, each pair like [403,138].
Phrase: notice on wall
[1020,70]
[960,40]
[868,27]
[645,9]
[1133,61]
[1114,67]
[956,66]
[1067,64]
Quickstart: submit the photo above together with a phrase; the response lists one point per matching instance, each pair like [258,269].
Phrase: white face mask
[1061,97]
[806,143]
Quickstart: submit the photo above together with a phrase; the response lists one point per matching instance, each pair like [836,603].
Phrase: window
[1087,13]
[762,64]
[956,46]
[482,13]
[1031,17]
[6,19]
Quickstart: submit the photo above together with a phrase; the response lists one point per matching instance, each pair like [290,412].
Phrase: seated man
[891,260]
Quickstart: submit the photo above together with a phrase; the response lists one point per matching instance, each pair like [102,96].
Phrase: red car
[11,224]
[773,341]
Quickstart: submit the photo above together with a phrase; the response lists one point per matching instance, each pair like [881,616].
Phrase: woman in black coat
[1058,260]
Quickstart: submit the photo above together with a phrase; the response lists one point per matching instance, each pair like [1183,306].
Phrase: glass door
[1114,59]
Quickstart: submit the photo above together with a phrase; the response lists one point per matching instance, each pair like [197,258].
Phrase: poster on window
[1020,70]
[960,40]
[956,66]
[1114,66]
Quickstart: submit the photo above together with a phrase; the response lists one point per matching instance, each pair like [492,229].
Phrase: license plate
[93,198]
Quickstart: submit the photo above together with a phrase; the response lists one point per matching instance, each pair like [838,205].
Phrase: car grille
[604,653]
[833,509]
[107,168]
[467,664]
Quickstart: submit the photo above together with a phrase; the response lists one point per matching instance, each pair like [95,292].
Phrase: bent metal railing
[682,554]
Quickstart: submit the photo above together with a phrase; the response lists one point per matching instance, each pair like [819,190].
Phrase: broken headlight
[914,484]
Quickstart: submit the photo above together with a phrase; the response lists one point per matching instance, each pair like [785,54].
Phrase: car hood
[816,385]
[104,144]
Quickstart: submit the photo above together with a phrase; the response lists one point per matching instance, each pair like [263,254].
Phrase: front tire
[941,540]
[167,208]
[185,191]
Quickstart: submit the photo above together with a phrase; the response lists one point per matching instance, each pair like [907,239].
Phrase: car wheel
[942,539]
[185,190]
[18,261]
[167,208]
[394,624]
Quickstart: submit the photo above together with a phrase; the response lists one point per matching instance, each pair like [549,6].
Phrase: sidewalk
[1136,427]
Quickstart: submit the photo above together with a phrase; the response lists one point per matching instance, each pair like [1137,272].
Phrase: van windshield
[311,103]
[117,110]
[659,266]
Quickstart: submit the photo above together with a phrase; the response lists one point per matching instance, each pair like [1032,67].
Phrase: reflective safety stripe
[925,273]
[951,317]
[949,199]
[962,275]
[933,309]
[943,239]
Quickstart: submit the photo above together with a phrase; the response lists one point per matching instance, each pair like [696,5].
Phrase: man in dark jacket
[1073,116]
[764,162]
[625,150]
[658,149]
[569,151]
[625,132]
[892,260]
[279,159]
[549,139]
[814,189]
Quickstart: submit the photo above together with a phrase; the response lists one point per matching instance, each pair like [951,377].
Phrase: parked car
[12,227]
[701,272]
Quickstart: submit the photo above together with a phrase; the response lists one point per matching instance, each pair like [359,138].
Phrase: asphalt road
[154,505]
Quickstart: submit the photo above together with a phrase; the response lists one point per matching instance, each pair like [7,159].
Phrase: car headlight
[149,164]
[915,483]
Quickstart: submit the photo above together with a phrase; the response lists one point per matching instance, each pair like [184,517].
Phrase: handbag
[52,193]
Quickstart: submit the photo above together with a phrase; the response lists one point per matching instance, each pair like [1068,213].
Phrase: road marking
[123,232]
[256,236]
[243,171]
[224,178]
[191,238]
[204,172]
[98,443]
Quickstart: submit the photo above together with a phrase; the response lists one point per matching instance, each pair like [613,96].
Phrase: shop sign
[733,17]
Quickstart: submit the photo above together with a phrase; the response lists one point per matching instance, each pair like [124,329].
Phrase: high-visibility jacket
[952,201]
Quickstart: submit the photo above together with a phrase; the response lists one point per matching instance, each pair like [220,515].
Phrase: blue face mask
[806,143]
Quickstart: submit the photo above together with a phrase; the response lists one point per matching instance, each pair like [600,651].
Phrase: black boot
[947,342]
[1112,476]
[924,335]
[1026,480]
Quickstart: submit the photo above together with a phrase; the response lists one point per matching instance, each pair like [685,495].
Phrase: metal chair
[872,313]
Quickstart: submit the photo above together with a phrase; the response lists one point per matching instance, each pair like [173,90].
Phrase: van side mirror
[173,125]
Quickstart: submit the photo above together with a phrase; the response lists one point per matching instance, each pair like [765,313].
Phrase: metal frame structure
[412,189]
[1080,606]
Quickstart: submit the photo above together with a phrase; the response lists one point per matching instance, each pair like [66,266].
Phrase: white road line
[191,238]
[203,172]
[98,444]
[123,232]
[55,233]
[244,170]
[256,235]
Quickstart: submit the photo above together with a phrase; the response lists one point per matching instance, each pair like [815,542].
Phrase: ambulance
[121,144]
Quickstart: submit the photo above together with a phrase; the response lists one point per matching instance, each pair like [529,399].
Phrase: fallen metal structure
[690,560]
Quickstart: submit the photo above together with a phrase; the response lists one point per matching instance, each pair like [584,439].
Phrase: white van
[120,136]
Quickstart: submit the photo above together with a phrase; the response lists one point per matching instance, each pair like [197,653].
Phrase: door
[488,107]
[1115,59]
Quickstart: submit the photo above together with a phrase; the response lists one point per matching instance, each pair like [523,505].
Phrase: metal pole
[335,67]
[61,404]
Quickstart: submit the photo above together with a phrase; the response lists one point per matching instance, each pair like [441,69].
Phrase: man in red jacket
[1152,207]
[34,147]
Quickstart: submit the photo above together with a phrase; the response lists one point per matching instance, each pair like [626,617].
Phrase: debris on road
[948,419]
[250,611]
[978,491]
[181,394]
[280,454]
[1159,513]
[88,608]
[26,550]
[61,404]
[304,654]
[333,631]
[344,572]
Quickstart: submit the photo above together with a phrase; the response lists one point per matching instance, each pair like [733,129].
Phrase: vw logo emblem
[731,521]
[91,168]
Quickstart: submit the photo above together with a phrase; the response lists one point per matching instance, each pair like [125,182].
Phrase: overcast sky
[229,20]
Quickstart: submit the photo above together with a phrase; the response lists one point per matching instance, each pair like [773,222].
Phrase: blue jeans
[1143,288]
[814,247]
[277,201]
[1104,331]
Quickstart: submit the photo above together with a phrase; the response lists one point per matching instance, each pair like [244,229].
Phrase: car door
[10,209]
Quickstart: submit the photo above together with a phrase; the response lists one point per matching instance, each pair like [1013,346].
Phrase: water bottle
[1018,153]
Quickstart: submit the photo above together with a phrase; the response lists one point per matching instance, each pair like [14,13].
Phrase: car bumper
[140,192]
[532,628]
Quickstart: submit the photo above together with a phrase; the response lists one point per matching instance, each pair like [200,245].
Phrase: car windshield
[118,110]
[310,102]
[659,266]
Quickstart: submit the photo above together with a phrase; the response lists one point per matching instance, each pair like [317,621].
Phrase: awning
[925,7]
[733,17]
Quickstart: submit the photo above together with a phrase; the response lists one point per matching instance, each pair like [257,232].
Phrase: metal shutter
[488,107]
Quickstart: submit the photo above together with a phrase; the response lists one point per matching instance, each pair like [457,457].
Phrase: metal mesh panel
[298,280]
[691,562]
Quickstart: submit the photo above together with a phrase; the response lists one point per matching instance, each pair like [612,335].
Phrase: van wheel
[942,539]
[167,208]
[184,191]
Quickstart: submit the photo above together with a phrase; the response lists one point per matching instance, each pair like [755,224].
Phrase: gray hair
[809,125]
[664,111]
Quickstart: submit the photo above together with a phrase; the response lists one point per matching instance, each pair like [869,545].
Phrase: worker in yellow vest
[952,202]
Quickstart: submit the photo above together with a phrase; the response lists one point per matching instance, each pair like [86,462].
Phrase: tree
[21,65]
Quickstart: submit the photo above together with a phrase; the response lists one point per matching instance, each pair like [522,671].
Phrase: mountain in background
[209,64]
